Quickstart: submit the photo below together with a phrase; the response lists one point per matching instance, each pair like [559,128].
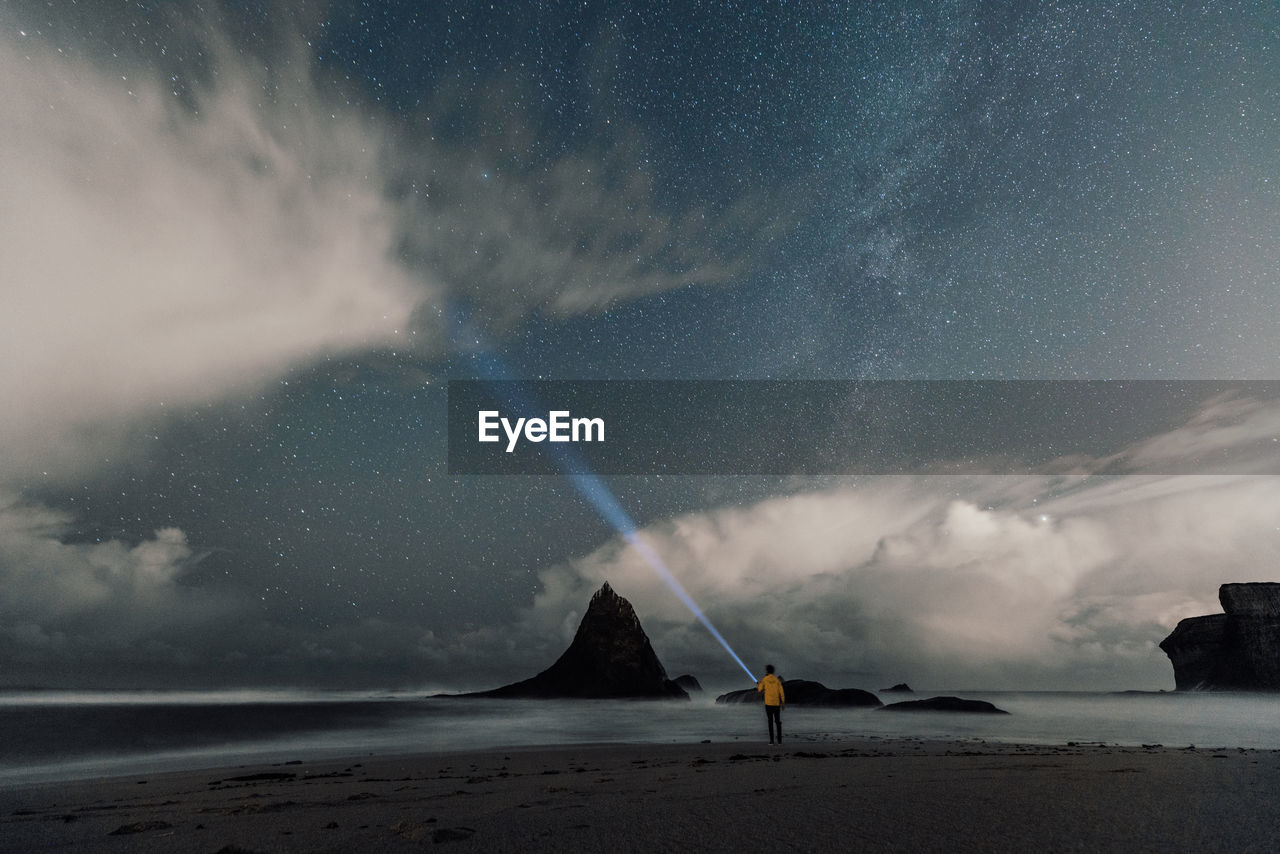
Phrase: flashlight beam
[594,490]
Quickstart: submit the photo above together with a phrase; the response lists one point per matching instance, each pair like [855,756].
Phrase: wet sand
[863,795]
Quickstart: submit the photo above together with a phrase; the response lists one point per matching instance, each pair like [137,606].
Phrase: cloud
[989,582]
[575,235]
[112,614]
[1047,581]
[170,241]
[164,251]
[71,605]
[177,240]
[1231,432]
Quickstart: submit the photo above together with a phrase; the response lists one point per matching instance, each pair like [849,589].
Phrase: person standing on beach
[775,700]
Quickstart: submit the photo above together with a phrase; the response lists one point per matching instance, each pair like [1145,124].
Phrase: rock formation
[803,692]
[900,688]
[1238,650]
[945,704]
[688,682]
[610,657]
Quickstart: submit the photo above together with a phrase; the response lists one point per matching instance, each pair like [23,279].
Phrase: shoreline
[881,794]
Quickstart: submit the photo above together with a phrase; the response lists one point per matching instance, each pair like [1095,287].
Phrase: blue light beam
[602,498]
[590,486]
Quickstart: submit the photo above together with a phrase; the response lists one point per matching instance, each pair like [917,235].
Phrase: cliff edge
[1238,650]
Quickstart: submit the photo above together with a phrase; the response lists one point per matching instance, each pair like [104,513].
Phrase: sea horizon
[49,736]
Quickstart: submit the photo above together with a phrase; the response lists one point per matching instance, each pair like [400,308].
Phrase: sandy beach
[875,794]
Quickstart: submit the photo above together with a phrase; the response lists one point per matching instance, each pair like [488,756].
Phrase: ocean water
[52,736]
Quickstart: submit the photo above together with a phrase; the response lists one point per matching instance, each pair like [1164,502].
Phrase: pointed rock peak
[610,656]
[607,597]
[609,613]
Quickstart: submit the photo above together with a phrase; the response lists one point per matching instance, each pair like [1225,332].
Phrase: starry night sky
[241,253]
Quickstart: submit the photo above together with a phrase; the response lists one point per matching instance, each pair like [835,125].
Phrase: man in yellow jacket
[775,700]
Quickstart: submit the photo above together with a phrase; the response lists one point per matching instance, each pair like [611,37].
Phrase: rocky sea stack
[945,704]
[610,657]
[1238,650]
[805,692]
[688,682]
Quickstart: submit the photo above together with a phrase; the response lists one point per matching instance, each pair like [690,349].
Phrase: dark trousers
[773,714]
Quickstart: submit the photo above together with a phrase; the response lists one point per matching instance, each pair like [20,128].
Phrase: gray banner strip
[750,427]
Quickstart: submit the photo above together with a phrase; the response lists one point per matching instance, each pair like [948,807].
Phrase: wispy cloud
[513,233]
[176,247]
[158,251]
[1232,432]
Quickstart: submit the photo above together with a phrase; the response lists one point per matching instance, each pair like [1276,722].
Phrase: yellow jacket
[771,687]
